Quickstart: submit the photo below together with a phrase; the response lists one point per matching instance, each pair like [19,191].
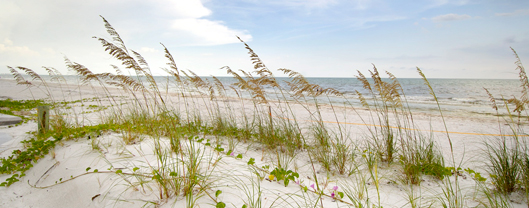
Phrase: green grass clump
[421,157]
[504,169]
[524,179]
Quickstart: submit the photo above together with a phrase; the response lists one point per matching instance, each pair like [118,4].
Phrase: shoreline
[109,153]
[477,103]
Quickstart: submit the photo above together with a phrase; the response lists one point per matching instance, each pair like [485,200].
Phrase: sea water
[455,96]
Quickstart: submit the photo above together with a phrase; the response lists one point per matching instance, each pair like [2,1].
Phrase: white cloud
[131,18]
[7,41]
[36,33]
[210,32]
[49,51]
[189,17]
[519,12]
[8,47]
[450,17]
[182,8]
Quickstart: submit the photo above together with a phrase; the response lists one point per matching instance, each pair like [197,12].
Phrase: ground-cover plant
[22,160]
[285,175]
[39,146]
[16,107]
[420,156]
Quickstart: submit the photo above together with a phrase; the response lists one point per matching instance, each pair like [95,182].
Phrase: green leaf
[88,168]
[221,205]
[274,172]
[119,171]
[239,156]
[340,194]
[96,170]
[251,161]
[244,206]
[295,175]
[217,193]
[287,182]
[135,169]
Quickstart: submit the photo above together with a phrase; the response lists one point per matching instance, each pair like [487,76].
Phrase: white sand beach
[126,173]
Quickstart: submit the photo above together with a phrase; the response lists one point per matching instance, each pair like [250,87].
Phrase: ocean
[456,96]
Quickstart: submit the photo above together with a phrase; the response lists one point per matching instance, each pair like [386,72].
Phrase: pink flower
[312,186]
[232,154]
[297,182]
[333,194]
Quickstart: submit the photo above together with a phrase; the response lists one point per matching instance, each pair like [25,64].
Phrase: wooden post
[270,115]
[43,119]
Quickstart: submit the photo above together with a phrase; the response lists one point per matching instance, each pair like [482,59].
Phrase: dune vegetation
[199,147]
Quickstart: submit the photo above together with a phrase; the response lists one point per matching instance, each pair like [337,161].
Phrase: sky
[319,38]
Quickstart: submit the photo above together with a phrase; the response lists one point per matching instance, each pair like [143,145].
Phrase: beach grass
[193,135]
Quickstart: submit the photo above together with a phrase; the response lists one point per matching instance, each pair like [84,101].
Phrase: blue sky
[319,38]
